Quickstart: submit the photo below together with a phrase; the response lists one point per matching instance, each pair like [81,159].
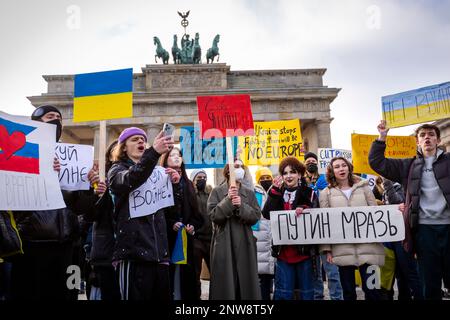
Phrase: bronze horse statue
[176,51]
[160,51]
[213,51]
[196,50]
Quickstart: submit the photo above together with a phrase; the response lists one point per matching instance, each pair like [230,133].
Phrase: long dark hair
[165,158]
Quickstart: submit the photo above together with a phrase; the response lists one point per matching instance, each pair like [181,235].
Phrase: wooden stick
[231,161]
[102,150]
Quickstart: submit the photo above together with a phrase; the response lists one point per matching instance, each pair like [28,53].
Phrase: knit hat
[262,171]
[196,172]
[39,112]
[132,131]
[310,155]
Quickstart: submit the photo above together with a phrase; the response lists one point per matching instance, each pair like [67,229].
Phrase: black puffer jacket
[59,225]
[398,170]
[143,238]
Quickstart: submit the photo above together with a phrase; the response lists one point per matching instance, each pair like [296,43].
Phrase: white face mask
[239,174]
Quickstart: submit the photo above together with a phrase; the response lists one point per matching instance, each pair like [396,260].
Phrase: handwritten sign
[231,115]
[206,153]
[27,178]
[338,225]
[326,154]
[417,106]
[76,160]
[396,147]
[156,193]
[272,142]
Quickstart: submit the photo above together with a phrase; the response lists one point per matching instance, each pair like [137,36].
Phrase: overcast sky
[370,48]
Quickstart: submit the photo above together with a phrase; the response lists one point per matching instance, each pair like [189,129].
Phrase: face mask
[58,124]
[266,184]
[201,184]
[312,168]
[239,174]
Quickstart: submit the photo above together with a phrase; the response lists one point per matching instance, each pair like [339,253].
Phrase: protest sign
[371,178]
[396,147]
[27,178]
[76,160]
[326,154]
[231,115]
[156,193]
[338,225]
[417,106]
[273,141]
[206,153]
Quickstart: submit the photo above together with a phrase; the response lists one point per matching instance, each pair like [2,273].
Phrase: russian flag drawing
[103,95]
[16,154]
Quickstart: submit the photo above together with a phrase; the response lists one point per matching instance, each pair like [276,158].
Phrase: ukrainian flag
[179,254]
[103,95]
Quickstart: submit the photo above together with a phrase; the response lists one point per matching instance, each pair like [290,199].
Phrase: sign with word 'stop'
[396,147]
[338,225]
[417,106]
[76,160]
[156,193]
[231,115]
[273,141]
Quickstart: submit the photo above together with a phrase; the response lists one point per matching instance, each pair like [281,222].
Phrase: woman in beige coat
[346,190]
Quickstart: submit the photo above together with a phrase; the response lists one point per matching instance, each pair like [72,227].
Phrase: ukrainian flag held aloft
[103,95]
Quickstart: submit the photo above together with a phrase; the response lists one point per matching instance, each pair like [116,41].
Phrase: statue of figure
[176,52]
[186,49]
[160,51]
[196,50]
[213,51]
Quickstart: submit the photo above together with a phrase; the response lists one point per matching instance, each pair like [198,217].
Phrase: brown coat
[352,254]
[233,248]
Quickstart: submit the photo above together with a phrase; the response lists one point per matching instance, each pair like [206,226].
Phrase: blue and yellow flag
[103,95]
[179,253]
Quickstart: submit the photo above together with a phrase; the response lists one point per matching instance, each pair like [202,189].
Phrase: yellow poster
[272,142]
[396,147]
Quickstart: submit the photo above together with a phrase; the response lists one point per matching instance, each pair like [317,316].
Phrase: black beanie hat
[40,111]
[310,155]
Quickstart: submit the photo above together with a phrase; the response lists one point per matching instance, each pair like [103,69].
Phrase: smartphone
[168,129]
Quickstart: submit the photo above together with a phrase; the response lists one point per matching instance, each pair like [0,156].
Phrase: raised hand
[174,175]
[382,130]
[162,144]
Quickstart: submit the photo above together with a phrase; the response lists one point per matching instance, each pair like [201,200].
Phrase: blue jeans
[334,281]
[288,274]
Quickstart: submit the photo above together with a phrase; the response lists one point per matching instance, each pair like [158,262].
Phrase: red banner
[230,115]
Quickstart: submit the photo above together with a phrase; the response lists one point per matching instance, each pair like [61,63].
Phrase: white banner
[324,156]
[27,178]
[156,193]
[338,225]
[76,160]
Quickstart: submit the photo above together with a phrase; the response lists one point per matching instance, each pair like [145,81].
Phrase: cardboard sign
[338,225]
[417,106]
[206,153]
[229,115]
[396,147]
[324,156]
[156,193]
[103,95]
[76,160]
[27,178]
[272,142]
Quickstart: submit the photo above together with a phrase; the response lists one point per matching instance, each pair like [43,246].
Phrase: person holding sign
[426,180]
[294,264]
[233,210]
[141,243]
[186,214]
[48,236]
[347,190]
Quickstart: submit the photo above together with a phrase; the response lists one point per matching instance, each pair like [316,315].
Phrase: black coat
[143,238]
[305,198]
[398,170]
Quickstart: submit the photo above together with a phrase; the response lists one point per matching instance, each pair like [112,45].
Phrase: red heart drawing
[10,144]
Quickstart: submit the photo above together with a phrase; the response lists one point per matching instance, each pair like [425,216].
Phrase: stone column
[324,133]
[152,131]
